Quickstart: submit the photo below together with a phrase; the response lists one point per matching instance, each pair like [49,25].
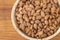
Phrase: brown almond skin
[48,33]
[35,26]
[58,19]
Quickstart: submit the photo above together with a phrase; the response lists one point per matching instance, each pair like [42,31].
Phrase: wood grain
[7,32]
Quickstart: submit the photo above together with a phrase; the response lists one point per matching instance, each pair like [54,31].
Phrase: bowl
[21,33]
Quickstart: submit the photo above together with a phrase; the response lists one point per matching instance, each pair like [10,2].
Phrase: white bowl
[21,33]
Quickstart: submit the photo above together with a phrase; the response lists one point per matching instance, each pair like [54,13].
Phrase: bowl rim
[21,33]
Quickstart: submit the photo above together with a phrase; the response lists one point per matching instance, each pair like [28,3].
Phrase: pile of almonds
[38,18]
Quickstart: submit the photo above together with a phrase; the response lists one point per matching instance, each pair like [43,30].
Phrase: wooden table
[7,32]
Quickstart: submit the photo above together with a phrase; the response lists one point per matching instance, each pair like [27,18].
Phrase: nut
[38,18]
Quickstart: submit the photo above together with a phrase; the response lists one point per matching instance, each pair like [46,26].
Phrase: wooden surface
[7,32]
